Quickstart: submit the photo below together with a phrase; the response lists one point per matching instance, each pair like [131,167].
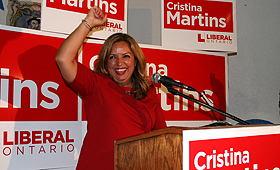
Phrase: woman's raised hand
[96,17]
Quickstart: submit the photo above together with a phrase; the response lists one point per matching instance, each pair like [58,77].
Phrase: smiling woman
[122,59]
[119,100]
[121,64]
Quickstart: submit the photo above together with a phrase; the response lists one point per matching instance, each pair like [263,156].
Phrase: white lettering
[194,20]
[92,60]
[81,3]
[22,85]
[173,18]
[89,4]
[18,86]
[163,91]
[186,101]
[102,3]
[4,89]
[72,3]
[113,9]
[213,161]
[208,101]
[183,7]
[50,95]
[197,156]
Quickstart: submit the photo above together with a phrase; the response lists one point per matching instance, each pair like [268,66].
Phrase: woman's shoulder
[82,69]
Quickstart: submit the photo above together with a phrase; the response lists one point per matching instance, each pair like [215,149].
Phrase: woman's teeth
[121,69]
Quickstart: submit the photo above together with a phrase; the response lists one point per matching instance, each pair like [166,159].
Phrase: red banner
[33,90]
[114,9]
[41,116]
[199,15]
[31,86]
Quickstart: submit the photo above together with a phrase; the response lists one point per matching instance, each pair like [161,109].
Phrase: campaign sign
[64,16]
[39,119]
[206,72]
[243,148]
[43,121]
[199,24]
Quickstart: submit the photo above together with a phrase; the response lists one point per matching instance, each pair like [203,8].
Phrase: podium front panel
[244,148]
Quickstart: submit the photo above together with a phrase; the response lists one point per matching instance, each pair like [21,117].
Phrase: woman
[118,98]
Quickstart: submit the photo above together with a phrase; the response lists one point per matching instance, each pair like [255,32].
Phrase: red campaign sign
[31,86]
[201,71]
[203,15]
[246,153]
[114,9]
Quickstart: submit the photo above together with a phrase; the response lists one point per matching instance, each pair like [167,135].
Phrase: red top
[111,114]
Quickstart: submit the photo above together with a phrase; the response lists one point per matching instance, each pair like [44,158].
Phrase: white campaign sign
[199,25]
[65,16]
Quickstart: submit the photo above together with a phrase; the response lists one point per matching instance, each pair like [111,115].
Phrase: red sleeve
[160,120]
[84,81]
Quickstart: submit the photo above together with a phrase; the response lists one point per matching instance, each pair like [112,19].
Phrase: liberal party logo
[214,38]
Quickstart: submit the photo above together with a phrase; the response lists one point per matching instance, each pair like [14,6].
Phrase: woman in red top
[118,97]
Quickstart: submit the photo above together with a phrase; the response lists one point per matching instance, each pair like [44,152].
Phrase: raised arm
[65,57]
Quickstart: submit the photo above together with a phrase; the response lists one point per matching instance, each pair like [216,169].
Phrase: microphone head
[155,77]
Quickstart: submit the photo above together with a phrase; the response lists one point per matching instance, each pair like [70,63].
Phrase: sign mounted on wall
[42,120]
[199,24]
[64,16]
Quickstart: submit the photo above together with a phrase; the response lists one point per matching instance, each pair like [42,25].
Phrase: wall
[254,73]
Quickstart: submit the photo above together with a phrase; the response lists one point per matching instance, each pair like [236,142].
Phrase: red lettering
[52,148]
[42,149]
[47,136]
[70,149]
[7,153]
[16,137]
[59,137]
[20,150]
[36,136]
[200,39]
[5,139]
[25,137]
[217,37]
[31,149]
[68,137]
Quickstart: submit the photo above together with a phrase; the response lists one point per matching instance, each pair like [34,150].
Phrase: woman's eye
[111,57]
[126,56]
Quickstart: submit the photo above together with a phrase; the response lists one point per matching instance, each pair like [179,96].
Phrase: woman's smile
[120,71]
[121,64]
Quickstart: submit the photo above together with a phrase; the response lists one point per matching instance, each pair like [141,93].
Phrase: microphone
[169,82]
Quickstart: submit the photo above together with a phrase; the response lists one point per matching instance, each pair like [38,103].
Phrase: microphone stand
[176,92]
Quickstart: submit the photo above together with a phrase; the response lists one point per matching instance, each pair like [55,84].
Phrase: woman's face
[121,64]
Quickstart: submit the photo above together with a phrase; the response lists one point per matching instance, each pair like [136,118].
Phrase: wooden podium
[177,148]
[156,150]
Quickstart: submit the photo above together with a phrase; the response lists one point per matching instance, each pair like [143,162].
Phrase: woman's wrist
[87,24]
